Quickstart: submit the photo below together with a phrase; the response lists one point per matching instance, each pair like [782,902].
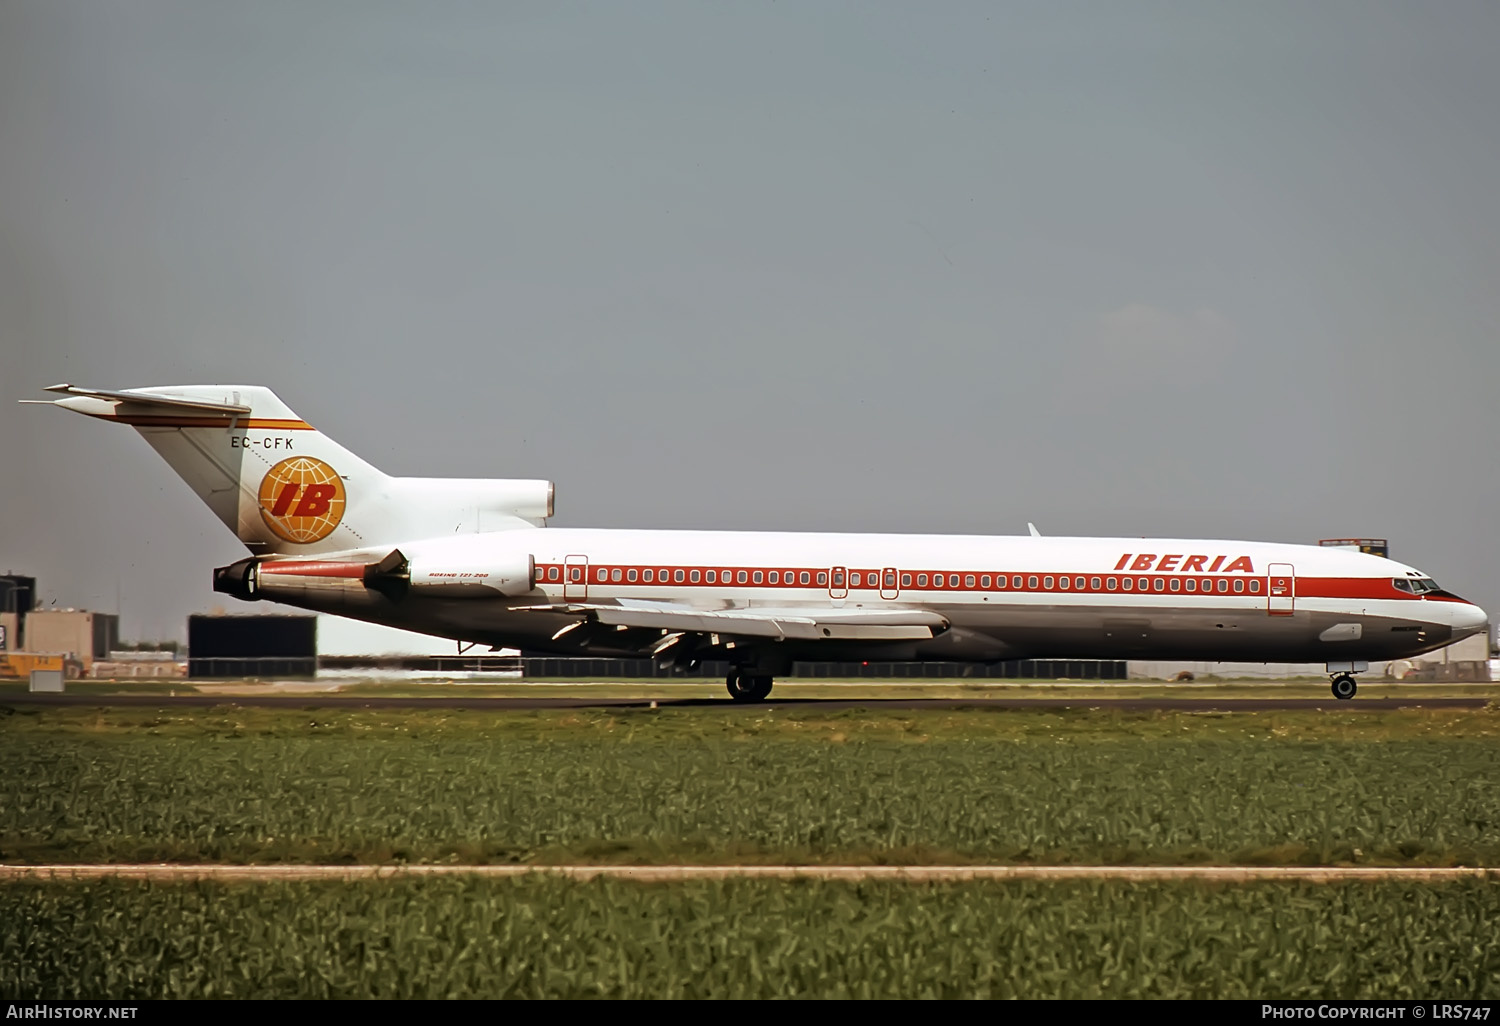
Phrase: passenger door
[1281,589]
[576,579]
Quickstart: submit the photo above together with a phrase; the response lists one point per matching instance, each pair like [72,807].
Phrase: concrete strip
[479,703]
[909,874]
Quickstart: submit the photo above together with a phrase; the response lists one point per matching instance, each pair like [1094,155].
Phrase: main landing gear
[1343,686]
[744,687]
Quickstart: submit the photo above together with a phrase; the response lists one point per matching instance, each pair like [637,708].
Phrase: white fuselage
[1003,597]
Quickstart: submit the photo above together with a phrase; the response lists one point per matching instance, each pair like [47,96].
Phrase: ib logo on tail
[302,499]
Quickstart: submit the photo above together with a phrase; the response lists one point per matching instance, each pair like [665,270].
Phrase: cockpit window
[1414,585]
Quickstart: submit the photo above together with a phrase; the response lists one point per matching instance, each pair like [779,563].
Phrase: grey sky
[1192,269]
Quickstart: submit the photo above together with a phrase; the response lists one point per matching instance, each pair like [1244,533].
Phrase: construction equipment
[20,664]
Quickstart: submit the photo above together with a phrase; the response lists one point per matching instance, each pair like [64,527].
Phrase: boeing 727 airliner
[468,559]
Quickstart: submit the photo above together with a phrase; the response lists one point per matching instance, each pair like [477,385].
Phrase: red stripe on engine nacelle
[313,569]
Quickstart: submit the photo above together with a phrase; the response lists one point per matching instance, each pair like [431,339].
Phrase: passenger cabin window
[1143,584]
[968,580]
[741,577]
[1255,587]
[1192,584]
[805,577]
[1062,582]
[1079,585]
[953,580]
[631,575]
[1176,584]
[890,581]
[677,576]
[1110,584]
[775,577]
[1000,581]
[906,580]
[1239,584]
[710,576]
[1126,584]
[758,577]
[1015,582]
[1094,583]
[1223,585]
[984,581]
[921,580]
[822,577]
[552,573]
[693,576]
[614,575]
[838,578]
[575,575]
[1159,584]
[648,575]
[602,576]
[1031,581]
[1047,583]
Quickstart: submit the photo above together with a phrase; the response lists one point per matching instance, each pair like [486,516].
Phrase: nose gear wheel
[1344,687]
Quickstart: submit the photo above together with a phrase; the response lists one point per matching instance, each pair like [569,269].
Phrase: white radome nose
[1469,618]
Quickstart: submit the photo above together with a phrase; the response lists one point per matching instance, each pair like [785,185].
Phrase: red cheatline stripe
[309,568]
[872,581]
[227,420]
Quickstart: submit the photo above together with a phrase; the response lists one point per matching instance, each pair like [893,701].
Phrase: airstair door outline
[888,583]
[1281,589]
[575,579]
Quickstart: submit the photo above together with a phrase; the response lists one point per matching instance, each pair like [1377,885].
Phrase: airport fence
[1044,669]
[577,668]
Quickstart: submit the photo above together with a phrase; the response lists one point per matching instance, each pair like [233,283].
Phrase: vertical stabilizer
[284,487]
[274,480]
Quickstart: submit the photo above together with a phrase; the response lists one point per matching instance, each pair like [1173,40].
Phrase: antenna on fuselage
[1032,528]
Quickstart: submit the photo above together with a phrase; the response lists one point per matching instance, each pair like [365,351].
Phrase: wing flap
[780,625]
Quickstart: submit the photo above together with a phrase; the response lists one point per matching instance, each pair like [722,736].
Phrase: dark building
[252,646]
[17,598]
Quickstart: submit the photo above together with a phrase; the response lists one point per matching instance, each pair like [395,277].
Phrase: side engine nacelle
[510,576]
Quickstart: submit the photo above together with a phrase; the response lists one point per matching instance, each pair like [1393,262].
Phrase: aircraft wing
[777,624]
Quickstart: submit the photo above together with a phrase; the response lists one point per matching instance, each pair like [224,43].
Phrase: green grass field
[748,939]
[715,785]
[793,785]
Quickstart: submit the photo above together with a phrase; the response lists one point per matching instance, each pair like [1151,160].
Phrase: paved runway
[909,874]
[338,701]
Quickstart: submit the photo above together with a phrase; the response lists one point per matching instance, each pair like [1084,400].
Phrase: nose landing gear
[1344,686]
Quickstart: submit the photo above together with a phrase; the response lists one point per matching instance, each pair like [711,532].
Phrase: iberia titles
[1184,564]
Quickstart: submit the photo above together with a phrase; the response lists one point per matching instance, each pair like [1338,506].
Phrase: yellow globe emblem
[302,499]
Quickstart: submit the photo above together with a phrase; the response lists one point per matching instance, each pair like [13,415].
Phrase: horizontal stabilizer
[147,399]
